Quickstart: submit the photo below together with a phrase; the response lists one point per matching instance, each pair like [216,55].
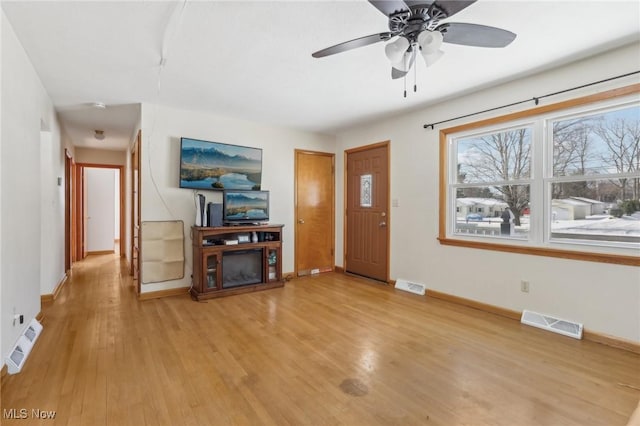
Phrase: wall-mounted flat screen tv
[240,206]
[219,166]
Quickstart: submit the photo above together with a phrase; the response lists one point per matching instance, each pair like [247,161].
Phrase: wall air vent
[18,356]
[411,287]
[33,331]
[550,323]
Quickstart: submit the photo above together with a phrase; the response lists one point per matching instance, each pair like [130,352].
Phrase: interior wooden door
[315,212]
[367,211]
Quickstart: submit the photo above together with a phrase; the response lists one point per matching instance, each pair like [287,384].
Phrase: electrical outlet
[524,286]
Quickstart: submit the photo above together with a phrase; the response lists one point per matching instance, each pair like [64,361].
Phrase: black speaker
[214,214]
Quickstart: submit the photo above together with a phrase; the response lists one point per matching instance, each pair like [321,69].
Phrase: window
[493,172]
[560,180]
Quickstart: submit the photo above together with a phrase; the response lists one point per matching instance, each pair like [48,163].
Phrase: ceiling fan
[416,24]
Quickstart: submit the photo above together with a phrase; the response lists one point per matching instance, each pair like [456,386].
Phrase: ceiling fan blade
[451,7]
[475,35]
[352,44]
[389,7]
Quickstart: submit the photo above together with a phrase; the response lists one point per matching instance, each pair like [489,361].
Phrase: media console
[235,259]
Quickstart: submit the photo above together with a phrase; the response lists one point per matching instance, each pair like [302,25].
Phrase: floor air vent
[557,325]
[22,348]
[411,287]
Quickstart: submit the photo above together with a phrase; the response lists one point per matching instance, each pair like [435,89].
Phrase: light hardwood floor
[323,350]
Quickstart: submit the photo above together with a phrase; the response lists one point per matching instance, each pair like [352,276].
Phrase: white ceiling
[252,60]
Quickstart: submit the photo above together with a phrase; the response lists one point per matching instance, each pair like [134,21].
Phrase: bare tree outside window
[622,139]
[572,155]
[499,158]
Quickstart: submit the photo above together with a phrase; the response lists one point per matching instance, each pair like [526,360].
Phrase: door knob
[383,223]
[301,221]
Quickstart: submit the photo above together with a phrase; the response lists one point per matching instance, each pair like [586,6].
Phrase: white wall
[162,199]
[52,209]
[26,108]
[606,298]
[100,156]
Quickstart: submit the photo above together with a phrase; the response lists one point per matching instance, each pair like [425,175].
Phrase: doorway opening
[99,205]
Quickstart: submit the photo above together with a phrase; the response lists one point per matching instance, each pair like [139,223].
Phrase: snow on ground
[628,225]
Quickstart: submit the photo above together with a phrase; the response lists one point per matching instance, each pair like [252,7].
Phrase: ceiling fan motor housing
[410,23]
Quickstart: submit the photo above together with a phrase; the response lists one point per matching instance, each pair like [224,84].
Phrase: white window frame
[540,240]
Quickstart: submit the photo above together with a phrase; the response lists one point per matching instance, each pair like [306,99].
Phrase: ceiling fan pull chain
[404,79]
[415,73]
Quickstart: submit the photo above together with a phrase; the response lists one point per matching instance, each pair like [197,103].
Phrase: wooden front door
[314,232]
[367,211]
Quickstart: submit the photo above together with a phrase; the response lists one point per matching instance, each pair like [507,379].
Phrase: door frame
[69,216]
[386,145]
[134,268]
[333,205]
[78,213]
[80,223]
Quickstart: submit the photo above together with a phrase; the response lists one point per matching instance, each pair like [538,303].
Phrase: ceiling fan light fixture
[432,58]
[98,134]
[430,41]
[404,64]
[396,49]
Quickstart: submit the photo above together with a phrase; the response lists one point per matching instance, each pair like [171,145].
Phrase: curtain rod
[535,99]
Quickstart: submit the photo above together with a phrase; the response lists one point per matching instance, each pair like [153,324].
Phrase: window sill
[548,252]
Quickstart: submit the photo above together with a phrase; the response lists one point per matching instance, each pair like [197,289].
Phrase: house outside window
[562,182]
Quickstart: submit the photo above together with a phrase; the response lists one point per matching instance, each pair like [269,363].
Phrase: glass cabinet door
[272,262]
[211,273]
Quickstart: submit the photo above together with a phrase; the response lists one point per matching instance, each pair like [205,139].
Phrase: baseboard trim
[339,269]
[503,312]
[89,253]
[592,336]
[164,293]
[47,298]
[613,341]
